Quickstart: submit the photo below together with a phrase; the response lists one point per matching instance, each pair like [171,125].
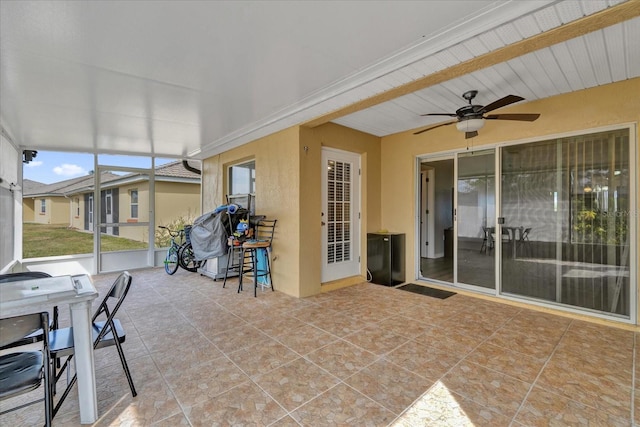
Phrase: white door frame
[338,270]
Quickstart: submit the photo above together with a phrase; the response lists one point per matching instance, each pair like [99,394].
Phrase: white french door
[340,214]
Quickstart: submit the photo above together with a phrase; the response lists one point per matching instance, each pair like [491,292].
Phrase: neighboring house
[124,199]
[54,203]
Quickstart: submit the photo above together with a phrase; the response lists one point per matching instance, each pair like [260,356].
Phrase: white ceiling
[197,78]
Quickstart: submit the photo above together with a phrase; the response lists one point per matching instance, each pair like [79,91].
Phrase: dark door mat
[425,290]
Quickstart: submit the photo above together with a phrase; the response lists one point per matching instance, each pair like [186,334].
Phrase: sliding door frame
[497,292]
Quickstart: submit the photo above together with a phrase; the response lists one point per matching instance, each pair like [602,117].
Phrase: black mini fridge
[385,258]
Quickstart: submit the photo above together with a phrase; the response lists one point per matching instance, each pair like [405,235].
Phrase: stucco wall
[288,188]
[612,104]
[28,211]
[173,200]
[335,136]
[277,196]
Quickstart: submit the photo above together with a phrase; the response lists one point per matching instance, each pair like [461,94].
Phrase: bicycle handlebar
[172,233]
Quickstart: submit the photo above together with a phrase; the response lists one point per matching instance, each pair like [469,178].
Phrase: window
[108,202]
[77,202]
[43,206]
[242,178]
[134,203]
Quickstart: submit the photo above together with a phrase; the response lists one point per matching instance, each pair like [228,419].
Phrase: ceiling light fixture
[470,125]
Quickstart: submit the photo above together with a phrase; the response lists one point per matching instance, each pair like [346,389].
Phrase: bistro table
[34,295]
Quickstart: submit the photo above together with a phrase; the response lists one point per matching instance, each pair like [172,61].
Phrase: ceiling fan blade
[436,126]
[440,114]
[468,135]
[502,102]
[521,117]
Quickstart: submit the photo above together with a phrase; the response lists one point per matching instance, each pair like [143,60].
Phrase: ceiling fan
[470,118]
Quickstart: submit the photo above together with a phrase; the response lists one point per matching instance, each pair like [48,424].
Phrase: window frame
[133,204]
[251,184]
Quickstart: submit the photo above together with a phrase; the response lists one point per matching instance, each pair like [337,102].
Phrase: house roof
[30,186]
[173,171]
[66,187]
[86,76]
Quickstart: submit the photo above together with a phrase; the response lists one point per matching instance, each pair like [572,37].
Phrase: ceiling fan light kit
[471,117]
[470,125]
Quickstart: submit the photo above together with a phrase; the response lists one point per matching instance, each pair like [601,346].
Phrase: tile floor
[366,355]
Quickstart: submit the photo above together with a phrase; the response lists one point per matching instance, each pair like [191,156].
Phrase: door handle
[322,223]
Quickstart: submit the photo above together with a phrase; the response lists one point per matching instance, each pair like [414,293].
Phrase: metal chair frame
[105,333]
[265,230]
[31,367]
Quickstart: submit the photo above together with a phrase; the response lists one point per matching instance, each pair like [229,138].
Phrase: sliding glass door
[566,233]
[475,219]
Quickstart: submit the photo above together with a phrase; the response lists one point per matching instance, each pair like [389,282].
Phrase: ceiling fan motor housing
[470,112]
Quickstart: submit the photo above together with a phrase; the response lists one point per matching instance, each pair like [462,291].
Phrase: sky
[50,166]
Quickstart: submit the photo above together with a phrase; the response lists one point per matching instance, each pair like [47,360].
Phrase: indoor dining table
[34,295]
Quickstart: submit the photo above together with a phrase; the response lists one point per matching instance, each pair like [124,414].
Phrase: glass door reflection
[475,219]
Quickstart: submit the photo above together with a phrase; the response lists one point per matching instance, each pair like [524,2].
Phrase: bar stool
[256,265]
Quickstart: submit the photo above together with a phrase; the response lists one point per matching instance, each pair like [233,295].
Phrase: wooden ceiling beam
[605,18]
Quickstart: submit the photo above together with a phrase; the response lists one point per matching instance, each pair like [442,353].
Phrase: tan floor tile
[171,360]
[636,406]
[474,326]
[262,357]
[537,326]
[488,388]
[538,346]
[170,321]
[368,313]
[600,393]
[517,365]
[596,364]
[376,339]
[430,313]
[306,339]
[279,326]
[176,420]
[342,406]
[340,325]
[296,383]
[405,326]
[242,405]
[450,340]
[184,334]
[237,338]
[389,385]
[312,313]
[202,382]
[543,408]
[285,421]
[155,402]
[441,407]
[341,358]
[600,335]
[425,360]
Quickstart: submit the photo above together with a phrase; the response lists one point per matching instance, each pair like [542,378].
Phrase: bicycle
[172,259]
[186,257]
[180,252]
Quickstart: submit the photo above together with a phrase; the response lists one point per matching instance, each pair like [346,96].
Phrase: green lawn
[42,240]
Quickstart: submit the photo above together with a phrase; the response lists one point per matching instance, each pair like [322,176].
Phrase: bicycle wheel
[187,259]
[171,261]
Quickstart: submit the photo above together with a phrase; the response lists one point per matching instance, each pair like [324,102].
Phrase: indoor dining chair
[106,333]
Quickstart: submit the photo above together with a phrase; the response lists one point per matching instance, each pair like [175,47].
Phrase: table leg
[83,357]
